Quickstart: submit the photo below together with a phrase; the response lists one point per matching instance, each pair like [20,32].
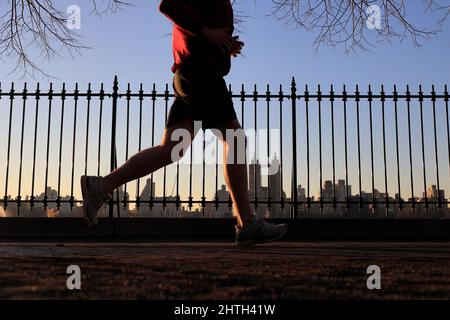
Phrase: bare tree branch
[343,22]
[28,26]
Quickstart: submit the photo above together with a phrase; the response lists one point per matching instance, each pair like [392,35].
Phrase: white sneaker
[260,231]
[93,198]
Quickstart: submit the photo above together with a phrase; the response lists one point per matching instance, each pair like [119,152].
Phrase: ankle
[248,221]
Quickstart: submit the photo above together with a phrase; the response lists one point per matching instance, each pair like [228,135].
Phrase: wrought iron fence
[91,131]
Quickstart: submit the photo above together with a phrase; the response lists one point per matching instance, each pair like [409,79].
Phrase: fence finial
[293,88]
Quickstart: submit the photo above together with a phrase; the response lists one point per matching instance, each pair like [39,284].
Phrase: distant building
[147,193]
[255,187]
[222,210]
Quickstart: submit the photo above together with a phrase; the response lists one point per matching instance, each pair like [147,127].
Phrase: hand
[218,37]
[236,46]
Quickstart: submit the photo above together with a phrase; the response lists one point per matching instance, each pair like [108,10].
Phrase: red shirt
[189,48]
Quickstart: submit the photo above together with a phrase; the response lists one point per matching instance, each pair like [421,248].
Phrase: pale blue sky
[135,44]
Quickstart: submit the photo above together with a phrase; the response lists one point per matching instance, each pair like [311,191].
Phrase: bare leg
[236,177]
[149,160]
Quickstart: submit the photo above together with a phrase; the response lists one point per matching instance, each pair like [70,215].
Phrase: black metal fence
[406,144]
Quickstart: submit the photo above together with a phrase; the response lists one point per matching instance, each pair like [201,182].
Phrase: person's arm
[182,14]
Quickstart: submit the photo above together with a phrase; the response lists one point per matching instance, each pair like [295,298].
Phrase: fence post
[113,162]
[294,148]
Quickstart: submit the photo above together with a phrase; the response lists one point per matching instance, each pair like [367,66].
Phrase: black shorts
[201,97]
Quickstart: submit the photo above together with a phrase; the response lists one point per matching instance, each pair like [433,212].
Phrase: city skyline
[256,189]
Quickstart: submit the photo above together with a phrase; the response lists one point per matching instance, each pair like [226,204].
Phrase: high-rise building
[341,190]
[255,187]
[301,193]
[255,182]
[275,180]
[275,191]
[124,207]
[147,193]
[433,193]
[222,210]
[327,190]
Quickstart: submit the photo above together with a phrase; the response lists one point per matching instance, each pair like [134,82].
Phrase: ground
[284,270]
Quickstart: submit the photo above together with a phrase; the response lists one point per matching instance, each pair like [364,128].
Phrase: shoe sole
[252,242]
[84,193]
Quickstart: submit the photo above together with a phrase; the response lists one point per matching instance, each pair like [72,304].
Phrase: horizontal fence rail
[396,141]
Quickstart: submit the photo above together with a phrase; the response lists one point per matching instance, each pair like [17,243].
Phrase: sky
[135,45]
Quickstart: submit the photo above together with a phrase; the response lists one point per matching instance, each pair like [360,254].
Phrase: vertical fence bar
[24,100]
[190,198]
[357,99]
[423,149]
[397,149]
[319,101]
[332,147]
[374,201]
[138,181]
[433,93]
[242,99]
[384,153]
[74,140]
[114,96]
[216,197]
[408,104]
[243,126]
[100,118]
[88,111]
[50,99]
[281,99]
[177,191]
[294,148]
[166,102]
[125,200]
[308,198]
[61,131]
[118,190]
[153,141]
[255,173]
[268,145]
[347,196]
[8,148]
[127,139]
[177,198]
[203,204]
[448,129]
[33,170]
